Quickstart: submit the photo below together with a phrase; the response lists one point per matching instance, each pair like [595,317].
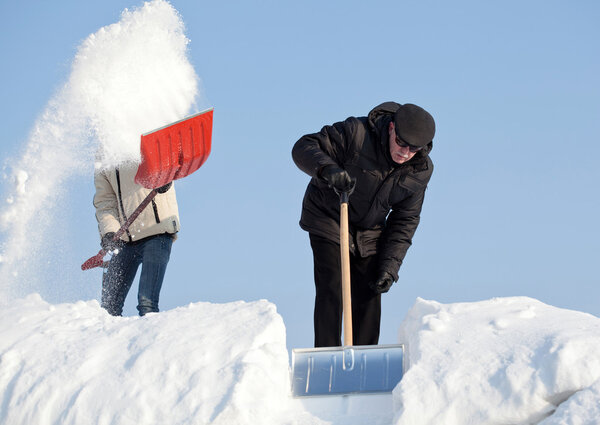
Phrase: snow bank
[502,361]
[204,363]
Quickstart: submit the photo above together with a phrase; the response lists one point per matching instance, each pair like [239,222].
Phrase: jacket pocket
[412,183]
[367,241]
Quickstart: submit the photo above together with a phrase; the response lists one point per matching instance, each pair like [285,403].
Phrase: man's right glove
[383,283]
[337,178]
[164,188]
[109,244]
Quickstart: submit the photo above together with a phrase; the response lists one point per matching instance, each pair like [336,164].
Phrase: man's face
[399,154]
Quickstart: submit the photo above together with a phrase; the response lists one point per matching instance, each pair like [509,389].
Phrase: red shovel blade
[175,151]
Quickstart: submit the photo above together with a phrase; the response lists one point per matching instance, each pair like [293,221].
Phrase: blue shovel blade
[346,370]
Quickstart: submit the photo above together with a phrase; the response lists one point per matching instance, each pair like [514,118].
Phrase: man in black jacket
[384,159]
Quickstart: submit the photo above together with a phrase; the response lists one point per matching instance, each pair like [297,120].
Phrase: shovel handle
[345,257]
[345,263]
[135,213]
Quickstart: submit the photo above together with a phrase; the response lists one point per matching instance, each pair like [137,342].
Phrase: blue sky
[512,206]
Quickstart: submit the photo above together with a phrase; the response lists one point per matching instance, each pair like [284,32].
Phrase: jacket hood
[381,115]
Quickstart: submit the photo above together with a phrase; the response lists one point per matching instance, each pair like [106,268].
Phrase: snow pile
[126,79]
[502,361]
[204,363]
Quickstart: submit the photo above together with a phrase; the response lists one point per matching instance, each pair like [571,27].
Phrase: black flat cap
[414,125]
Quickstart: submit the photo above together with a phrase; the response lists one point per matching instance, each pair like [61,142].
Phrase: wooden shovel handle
[345,256]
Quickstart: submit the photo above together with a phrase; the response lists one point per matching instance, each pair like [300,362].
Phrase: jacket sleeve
[106,204]
[400,228]
[330,146]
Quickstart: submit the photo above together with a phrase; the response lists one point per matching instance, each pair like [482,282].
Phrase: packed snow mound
[502,361]
[204,363]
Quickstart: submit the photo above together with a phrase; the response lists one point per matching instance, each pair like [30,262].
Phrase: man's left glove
[383,283]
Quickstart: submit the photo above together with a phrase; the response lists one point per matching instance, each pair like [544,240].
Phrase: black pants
[366,304]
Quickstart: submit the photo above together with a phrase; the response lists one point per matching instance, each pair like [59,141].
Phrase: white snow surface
[500,361]
[203,363]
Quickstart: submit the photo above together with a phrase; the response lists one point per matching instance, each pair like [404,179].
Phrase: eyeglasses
[403,144]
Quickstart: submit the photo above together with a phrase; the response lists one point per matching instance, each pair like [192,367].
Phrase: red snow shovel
[348,369]
[168,153]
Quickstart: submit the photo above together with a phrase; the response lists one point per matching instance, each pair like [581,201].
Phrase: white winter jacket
[117,196]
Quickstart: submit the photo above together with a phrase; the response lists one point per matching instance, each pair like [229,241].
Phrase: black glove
[383,283]
[164,188]
[337,178]
[109,244]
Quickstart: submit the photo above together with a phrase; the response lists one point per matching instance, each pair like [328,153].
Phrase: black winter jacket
[385,207]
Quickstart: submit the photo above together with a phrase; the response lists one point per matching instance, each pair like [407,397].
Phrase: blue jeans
[153,254]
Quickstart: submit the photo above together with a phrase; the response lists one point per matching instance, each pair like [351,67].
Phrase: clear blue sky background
[512,208]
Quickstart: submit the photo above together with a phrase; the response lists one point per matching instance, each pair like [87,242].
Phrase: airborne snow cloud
[126,79]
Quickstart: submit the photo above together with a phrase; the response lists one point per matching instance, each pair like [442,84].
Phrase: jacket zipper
[155,208]
[120,202]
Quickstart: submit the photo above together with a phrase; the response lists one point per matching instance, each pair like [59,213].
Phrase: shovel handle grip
[95,261]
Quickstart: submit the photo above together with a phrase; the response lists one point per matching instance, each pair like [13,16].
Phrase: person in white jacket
[147,242]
